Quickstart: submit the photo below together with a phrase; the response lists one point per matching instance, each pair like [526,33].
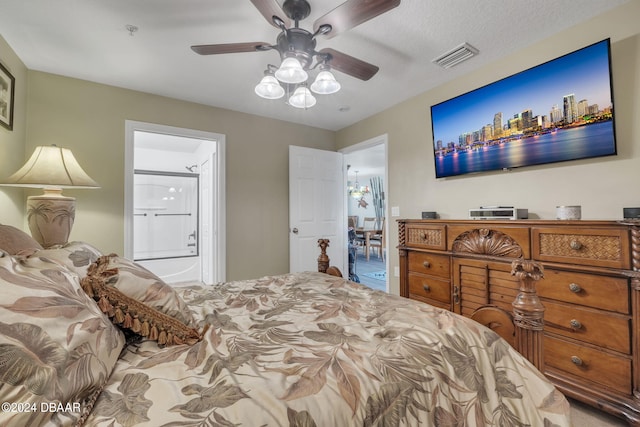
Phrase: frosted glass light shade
[291,71]
[269,88]
[325,83]
[302,98]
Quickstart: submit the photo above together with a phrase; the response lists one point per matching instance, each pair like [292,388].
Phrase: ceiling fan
[296,45]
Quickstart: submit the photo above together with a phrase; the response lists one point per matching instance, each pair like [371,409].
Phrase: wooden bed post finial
[529,311]
[323,259]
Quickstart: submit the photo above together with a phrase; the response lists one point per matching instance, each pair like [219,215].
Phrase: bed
[93,339]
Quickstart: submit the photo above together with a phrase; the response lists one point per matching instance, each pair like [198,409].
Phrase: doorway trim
[218,197]
[375,141]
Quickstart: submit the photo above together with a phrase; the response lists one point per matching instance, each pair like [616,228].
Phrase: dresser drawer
[432,264]
[597,327]
[589,364]
[422,286]
[584,246]
[592,290]
[426,236]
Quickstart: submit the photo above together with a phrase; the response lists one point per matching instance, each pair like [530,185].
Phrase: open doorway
[365,166]
[174,202]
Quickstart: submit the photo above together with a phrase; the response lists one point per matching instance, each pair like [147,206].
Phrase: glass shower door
[165,215]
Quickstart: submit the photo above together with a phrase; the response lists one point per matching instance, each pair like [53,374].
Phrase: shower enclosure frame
[197,212]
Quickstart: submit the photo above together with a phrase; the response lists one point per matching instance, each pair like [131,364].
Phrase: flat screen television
[554,112]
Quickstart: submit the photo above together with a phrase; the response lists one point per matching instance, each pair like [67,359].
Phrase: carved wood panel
[484,241]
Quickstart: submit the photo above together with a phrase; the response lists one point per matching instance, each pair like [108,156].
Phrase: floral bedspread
[310,349]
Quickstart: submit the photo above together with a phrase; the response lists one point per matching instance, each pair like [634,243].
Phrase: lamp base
[51,217]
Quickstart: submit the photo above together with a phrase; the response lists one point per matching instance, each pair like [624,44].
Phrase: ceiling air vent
[456,55]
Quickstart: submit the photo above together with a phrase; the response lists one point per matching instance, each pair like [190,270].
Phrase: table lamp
[51,215]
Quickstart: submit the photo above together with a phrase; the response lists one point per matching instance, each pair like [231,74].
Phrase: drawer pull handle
[575,288]
[576,361]
[575,245]
[575,324]
[426,288]
[423,235]
[427,264]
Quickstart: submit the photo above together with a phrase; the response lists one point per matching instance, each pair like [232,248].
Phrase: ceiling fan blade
[215,49]
[352,13]
[269,9]
[350,65]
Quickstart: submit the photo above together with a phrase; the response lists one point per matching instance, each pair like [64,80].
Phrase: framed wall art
[7,88]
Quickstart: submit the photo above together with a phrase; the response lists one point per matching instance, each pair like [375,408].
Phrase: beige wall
[12,204]
[602,186]
[89,119]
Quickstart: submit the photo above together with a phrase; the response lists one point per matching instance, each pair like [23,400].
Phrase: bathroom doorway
[174,207]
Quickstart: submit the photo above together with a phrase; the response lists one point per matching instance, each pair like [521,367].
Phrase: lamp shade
[269,88]
[51,215]
[325,83]
[302,98]
[51,167]
[291,71]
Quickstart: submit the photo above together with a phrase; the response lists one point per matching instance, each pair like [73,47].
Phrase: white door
[316,208]
[205,239]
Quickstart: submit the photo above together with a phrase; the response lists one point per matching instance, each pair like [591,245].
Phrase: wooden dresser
[590,291]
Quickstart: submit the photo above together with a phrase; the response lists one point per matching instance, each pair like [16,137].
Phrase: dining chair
[369,228]
[377,241]
[368,224]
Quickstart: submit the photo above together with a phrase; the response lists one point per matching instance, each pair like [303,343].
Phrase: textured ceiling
[87,39]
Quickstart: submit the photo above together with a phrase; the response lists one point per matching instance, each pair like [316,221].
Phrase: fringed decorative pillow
[101,283]
[138,283]
[56,347]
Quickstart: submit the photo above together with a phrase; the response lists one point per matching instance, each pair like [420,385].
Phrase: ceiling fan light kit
[325,83]
[296,47]
[269,88]
[291,71]
[302,98]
